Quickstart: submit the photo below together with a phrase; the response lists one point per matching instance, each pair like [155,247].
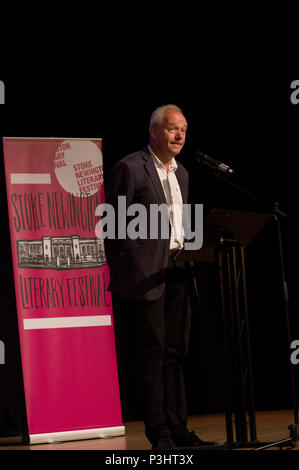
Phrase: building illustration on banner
[64,252]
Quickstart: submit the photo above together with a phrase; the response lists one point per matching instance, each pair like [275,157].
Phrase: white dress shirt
[174,200]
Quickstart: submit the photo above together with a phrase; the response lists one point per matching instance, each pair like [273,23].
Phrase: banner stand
[64,310]
[50,438]
[77,435]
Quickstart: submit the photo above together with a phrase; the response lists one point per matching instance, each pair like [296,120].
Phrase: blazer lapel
[153,174]
[184,189]
[151,170]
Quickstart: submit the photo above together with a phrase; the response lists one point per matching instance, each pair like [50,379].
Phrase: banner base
[47,438]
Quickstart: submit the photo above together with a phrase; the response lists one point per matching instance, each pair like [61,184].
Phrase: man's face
[169,137]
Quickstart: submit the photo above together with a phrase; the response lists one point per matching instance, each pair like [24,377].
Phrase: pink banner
[61,277]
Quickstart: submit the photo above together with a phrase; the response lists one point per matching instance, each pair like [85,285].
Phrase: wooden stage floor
[272,426]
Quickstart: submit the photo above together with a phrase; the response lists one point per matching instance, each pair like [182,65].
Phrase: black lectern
[226,235]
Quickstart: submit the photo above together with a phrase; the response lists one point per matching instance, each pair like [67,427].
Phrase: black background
[237,103]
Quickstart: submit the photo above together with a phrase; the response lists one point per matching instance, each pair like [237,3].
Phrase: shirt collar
[173,164]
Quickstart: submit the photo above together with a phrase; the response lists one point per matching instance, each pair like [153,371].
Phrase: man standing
[148,279]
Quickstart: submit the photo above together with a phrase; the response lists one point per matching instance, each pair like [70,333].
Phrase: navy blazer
[137,267]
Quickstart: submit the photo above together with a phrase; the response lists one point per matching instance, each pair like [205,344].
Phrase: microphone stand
[277,215]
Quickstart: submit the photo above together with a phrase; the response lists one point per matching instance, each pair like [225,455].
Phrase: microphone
[212,163]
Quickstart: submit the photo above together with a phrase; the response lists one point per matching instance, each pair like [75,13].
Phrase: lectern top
[244,226]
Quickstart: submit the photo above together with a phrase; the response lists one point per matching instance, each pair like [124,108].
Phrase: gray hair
[157,116]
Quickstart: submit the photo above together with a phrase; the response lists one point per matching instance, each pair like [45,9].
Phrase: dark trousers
[162,331]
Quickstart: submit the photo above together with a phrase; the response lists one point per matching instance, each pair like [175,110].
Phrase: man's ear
[154,131]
